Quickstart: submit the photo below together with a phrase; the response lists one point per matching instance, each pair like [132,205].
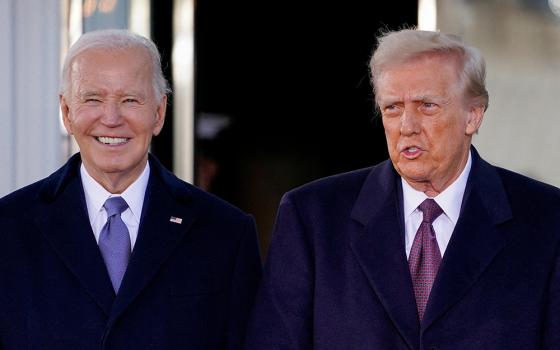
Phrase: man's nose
[410,121]
[112,114]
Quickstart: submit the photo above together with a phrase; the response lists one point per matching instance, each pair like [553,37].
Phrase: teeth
[412,149]
[112,140]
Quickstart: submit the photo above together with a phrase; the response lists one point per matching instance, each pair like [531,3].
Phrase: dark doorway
[282,95]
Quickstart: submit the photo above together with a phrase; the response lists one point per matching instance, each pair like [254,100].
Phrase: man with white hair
[432,249]
[112,251]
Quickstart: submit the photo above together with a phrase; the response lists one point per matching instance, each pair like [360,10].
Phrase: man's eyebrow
[388,99]
[133,93]
[89,93]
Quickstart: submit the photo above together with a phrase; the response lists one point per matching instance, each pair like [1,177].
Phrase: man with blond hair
[432,249]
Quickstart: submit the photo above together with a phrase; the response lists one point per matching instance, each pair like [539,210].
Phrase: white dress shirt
[96,196]
[450,202]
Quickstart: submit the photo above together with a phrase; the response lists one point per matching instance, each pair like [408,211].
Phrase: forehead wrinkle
[388,97]
[410,96]
[85,73]
[415,97]
[86,93]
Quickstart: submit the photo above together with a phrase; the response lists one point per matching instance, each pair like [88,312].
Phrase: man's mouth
[411,152]
[112,140]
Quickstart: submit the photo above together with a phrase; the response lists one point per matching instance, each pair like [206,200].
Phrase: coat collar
[476,240]
[380,250]
[56,183]
[167,197]
[64,223]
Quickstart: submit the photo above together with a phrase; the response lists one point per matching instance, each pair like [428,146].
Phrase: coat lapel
[158,234]
[65,225]
[380,249]
[475,242]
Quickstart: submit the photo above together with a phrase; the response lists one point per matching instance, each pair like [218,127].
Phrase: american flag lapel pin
[176,220]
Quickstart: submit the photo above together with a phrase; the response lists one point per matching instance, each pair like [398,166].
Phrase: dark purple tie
[114,241]
[424,256]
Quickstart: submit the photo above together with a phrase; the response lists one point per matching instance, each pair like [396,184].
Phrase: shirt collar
[96,195]
[449,200]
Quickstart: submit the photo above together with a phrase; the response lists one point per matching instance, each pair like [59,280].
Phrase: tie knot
[430,210]
[115,205]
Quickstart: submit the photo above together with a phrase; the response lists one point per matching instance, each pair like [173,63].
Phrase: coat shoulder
[531,194]
[184,192]
[345,184]
[528,189]
[214,204]
[23,198]
[340,192]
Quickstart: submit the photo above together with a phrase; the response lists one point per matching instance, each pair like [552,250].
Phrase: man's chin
[412,174]
[111,168]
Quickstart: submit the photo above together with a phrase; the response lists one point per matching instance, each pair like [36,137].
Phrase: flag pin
[176,220]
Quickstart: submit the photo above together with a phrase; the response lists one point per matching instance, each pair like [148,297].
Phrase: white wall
[30,137]
[521,45]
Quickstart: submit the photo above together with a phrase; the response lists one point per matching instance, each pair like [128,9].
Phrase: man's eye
[429,105]
[130,100]
[92,100]
[390,109]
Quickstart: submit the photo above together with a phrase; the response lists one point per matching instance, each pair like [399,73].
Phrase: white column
[183,85]
[30,137]
[7,178]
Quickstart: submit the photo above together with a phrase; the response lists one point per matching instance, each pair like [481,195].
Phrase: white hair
[397,47]
[115,39]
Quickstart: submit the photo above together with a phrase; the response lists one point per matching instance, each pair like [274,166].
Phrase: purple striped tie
[425,255]
[114,241]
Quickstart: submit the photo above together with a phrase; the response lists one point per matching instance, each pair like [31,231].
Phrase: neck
[432,188]
[115,185]
[117,182]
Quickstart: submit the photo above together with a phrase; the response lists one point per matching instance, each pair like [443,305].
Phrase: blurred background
[271,95]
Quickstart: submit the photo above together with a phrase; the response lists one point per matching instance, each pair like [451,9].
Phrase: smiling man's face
[428,121]
[112,111]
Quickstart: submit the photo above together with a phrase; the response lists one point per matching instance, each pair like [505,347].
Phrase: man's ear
[160,116]
[65,110]
[476,114]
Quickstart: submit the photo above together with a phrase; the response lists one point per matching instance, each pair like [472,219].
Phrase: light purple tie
[425,256]
[114,241]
